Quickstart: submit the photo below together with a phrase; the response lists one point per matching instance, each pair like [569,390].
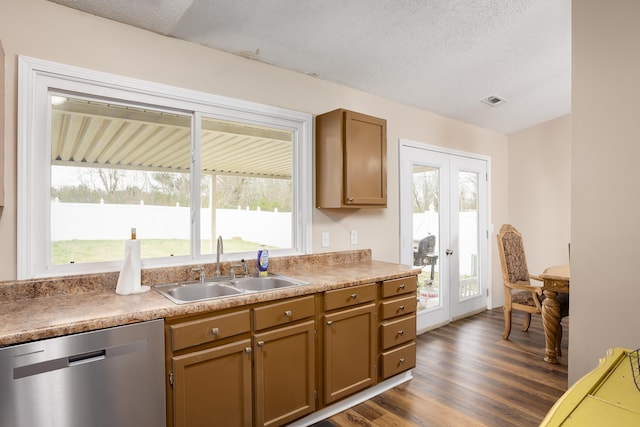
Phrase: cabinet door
[212,387]
[351,160]
[365,154]
[349,351]
[284,374]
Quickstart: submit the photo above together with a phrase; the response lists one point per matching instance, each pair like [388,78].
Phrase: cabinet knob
[247,349]
[287,313]
[330,322]
[350,199]
[400,332]
[402,286]
[402,360]
[354,296]
[260,343]
[401,308]
[215,331]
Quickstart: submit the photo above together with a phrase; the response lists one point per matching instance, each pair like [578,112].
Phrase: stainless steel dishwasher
[110,377]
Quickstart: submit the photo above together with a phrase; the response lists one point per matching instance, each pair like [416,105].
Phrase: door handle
[448,252]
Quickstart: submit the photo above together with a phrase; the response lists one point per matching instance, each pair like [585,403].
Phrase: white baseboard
[352,401]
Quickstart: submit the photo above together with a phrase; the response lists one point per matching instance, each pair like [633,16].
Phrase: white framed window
[100,154]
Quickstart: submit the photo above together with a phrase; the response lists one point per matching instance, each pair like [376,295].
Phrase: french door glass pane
[426,227]
[468,234]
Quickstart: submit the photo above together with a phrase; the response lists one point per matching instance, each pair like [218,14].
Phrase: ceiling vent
[493,100]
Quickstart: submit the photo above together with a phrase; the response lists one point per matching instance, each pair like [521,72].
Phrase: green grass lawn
[81,251]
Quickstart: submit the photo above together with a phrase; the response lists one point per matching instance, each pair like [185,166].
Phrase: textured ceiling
[442,56]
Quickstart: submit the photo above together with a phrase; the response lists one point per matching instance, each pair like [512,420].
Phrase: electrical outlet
[354,237]
[325,239]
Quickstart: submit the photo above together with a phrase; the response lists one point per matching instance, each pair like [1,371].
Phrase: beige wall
[540,191]
[605,230]
[2,109]
[48,31]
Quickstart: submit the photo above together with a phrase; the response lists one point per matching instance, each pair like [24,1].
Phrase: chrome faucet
[219,251]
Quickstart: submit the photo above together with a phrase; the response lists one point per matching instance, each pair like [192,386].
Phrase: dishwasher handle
[78,359]
[89,357]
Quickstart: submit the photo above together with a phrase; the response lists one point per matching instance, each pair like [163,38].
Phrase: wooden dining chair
[519,293]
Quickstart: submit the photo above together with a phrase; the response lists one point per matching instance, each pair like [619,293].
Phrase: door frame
[406,244]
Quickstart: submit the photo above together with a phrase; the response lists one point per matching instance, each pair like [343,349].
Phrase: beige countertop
[84,308]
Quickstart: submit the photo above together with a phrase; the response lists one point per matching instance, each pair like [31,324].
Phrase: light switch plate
[325,239]
[354,237]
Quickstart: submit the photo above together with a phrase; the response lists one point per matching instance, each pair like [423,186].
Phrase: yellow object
[606,396]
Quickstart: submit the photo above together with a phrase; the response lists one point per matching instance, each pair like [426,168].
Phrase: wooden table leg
[551,322]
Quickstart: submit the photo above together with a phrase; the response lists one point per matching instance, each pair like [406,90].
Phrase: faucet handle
[245,269]
[232,269]
[199,270]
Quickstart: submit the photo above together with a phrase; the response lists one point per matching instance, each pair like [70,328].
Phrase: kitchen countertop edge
[47,317]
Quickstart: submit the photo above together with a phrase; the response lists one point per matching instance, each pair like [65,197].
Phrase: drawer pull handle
[402,286]
[330,322]
[260,343]
[215,331]
[287,313]
[400,332]
[401,360]
[401,308]
[354,296]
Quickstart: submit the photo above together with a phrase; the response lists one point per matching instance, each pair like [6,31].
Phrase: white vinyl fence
[97,221]
[93,221]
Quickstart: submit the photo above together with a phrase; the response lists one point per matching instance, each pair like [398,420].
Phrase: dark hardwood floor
[467,375]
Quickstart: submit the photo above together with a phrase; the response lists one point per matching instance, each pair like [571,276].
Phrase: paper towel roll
[129,278]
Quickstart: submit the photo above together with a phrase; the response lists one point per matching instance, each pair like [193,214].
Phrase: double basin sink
[220,287]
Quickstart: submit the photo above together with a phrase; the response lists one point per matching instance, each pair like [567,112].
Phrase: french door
[444,230]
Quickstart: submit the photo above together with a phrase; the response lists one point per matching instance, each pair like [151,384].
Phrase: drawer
[397,360]
[347,297]
[400,286]
[395,332]
[283,312]
[209,329]
[398,307]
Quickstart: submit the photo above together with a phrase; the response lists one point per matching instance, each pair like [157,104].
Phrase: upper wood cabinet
[351,160]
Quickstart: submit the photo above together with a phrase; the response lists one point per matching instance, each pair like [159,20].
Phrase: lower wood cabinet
[284,362]
[284,374]
[212,387]
[397,326]
[350,346]
[209,370]
[267,364]
[398,360]
[224,372]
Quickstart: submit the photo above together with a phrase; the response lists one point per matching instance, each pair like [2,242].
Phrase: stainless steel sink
[220,287]
[182,293]
[264,283]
